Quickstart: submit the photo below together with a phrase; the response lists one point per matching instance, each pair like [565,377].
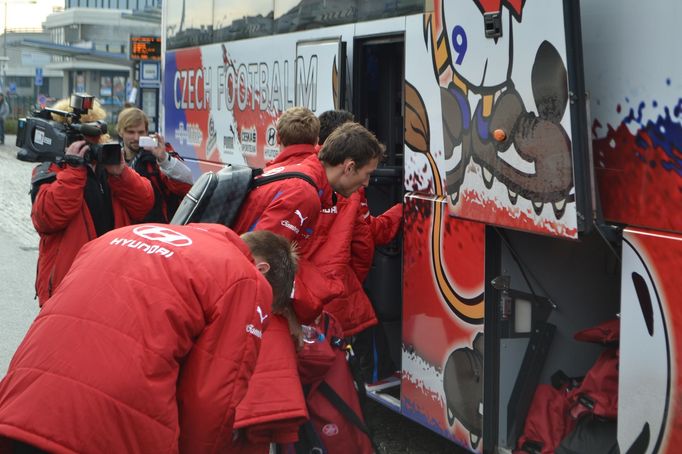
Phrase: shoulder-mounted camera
[41,138]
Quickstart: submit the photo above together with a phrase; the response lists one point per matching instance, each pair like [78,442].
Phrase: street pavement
[18,252]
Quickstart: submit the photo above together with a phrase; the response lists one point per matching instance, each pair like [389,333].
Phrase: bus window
[188,23]
[236,19]
[293,15]
[379,10]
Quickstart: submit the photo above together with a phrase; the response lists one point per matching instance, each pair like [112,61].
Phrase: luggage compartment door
[648,410]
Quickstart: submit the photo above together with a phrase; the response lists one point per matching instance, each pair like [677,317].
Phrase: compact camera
[148,142]
[40,138]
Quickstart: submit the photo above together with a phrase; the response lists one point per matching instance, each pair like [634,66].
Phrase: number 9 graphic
[459,43]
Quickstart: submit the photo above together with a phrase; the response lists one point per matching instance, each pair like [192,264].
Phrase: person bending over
[149,357]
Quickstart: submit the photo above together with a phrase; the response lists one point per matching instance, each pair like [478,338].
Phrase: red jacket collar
[295,153]
[318,173]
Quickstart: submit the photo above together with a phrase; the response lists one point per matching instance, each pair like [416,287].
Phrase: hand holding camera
[75,153]
[156,144]
[148,142]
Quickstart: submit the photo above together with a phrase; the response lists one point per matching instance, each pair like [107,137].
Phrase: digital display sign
[145,48]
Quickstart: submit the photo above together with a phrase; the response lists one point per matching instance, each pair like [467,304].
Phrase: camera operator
[170,177]
[76,200]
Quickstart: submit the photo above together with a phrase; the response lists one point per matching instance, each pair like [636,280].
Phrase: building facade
[26,75]
[92,48]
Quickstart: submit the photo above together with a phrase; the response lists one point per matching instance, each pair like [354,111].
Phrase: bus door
[320,74]
[378,80]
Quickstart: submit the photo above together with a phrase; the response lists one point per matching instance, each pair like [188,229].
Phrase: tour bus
[536,145]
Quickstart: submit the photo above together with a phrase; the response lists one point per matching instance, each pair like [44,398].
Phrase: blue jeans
[2,130]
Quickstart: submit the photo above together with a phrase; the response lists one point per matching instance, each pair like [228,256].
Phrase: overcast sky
[26,13]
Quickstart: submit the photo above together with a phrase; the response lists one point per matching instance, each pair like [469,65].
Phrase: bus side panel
[222,101]
[634,76]
[491,117]
[184,128]
[649,407]
[442,358]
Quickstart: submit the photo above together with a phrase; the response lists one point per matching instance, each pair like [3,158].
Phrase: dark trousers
[372,354]
[9,446]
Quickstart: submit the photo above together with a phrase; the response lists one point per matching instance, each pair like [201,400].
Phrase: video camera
[40,138]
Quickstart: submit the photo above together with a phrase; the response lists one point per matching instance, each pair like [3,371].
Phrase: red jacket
[385,226]
[274,406]
[168,192]
[62,218]
[287,207]
[146,347]
[291,207]
[340,242]
[293,154]
[341,251]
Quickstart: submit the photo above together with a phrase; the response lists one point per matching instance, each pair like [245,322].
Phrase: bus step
[386,392]
[388,382]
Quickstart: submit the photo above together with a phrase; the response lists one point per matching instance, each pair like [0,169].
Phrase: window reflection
[189,23]
[238,19]
[308,14]
[197,22]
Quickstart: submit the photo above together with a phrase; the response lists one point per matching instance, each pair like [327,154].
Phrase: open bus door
[378,81]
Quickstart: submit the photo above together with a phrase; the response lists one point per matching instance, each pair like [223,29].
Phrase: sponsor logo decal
[271,136]
[249,140]
[330,429]
[300,216]
[162,234]
[254,331]
[260,314]
[191,134]
[290,226]
[332,210]
[154,233]
[144,247]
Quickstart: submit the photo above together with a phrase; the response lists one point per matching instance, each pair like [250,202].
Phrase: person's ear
[263,267]
[348,166]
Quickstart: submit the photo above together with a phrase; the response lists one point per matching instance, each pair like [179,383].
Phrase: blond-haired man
[170,177]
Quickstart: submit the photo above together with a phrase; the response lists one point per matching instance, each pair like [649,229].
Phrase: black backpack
[42,173]
[216,197]
[145,164]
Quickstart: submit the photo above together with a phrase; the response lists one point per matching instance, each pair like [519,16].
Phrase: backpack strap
[341,405]
[41,175]
[326,323]
[261,180]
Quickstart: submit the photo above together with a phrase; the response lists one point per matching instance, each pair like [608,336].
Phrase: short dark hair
[283,260]
[330,120]
[351,141]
